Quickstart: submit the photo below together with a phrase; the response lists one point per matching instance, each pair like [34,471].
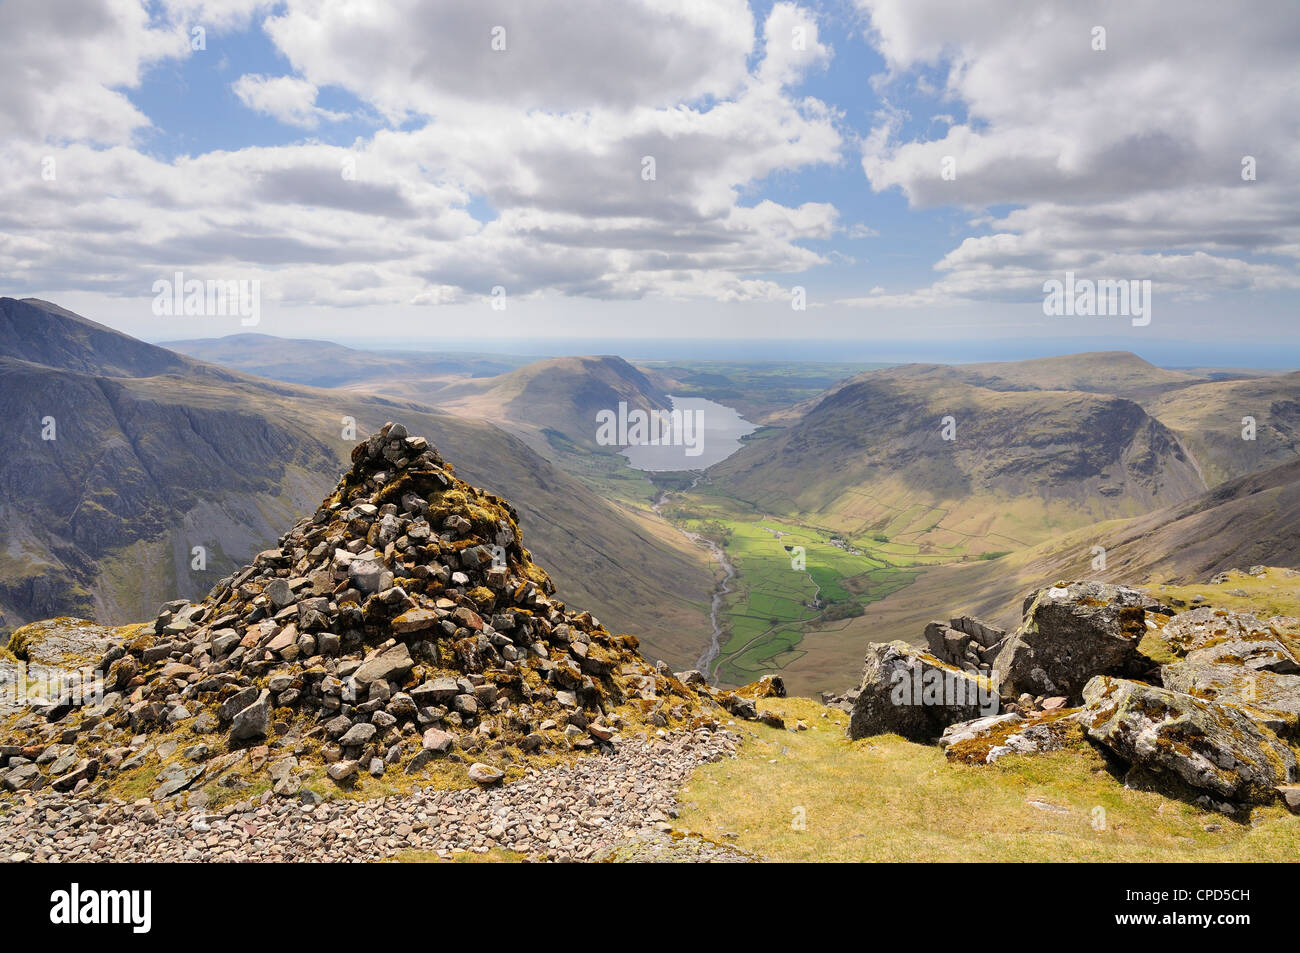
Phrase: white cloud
[286,98]
[1127,158]
[64,66]
[551,135]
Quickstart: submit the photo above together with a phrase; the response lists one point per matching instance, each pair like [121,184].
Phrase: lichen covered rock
[1259,675]
[910,692]
[1071,632]
[1209,746]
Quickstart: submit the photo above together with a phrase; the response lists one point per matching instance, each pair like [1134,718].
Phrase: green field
[793,581]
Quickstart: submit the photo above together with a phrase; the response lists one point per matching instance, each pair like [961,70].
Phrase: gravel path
[613,807]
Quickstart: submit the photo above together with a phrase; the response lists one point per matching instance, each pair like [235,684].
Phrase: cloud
[286,98]
[1124,158]
[64,65]
[552,134]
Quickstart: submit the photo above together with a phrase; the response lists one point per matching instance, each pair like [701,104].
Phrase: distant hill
[325,364]
[870,457]
[159,453]
[1121,373]
[1209,419]
[561,395]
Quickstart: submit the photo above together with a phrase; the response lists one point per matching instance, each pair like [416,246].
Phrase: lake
[722,429]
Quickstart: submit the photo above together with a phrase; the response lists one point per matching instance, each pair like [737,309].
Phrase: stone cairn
[403,623]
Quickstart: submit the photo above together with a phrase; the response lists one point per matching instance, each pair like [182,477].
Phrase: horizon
[1187,356]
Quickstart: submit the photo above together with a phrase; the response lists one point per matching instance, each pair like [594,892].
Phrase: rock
[1190,630]
[909,692]
[278,591]
[1290,794]
[358,735]
[693,678]
[175,778]
[435,692]
[393,664]
[21,777]
[485,774]
[254,721]
[85,770]
[415,620]
[1209,746]
[438,741]
[976,727]
[342,770]
[421,759]
[769,686]
[367,575]
[1069,634]
[1018,734]
[237,703]
[1244,673]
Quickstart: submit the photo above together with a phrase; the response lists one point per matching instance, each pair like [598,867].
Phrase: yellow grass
[887,799]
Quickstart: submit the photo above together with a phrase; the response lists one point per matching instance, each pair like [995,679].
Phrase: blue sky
[800,154]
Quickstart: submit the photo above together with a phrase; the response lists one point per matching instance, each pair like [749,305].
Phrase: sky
[870,170]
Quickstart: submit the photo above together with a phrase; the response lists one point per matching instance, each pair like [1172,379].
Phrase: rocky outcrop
[914,694]
[1071,632]
[1209,747]
[1259,675]
[965,642]
[1190,630]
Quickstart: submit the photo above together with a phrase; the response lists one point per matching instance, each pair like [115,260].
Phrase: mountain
[43,333]
[557,398]
[1209,419]
[872,456]
[325,364]
[1120,373]
[158,454]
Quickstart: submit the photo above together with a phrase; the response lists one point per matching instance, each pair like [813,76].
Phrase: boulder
[987,740]
[908,691]
[976,727]
[1069,634]
[1256,675]
[1209,746]
[1193,629]
[485,774]
[769,686]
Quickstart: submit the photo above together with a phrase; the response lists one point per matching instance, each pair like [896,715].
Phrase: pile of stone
[1217,723]
[403,623]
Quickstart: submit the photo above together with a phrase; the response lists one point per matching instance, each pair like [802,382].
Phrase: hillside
[1208,418]
[557,399]
[1246,522]
[871,457]
[102,520]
